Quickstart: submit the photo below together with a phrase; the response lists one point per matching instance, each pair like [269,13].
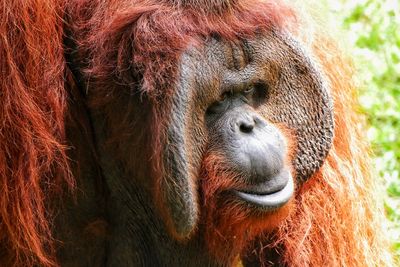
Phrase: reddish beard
[229,225]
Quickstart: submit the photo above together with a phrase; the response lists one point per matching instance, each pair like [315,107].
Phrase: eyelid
[249,89]
[225,95]
[231,92]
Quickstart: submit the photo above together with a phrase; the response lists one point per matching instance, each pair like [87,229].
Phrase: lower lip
[269,201]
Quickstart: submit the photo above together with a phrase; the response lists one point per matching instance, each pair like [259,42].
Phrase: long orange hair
[33,162]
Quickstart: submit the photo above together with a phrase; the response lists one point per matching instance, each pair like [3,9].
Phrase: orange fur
[32,106]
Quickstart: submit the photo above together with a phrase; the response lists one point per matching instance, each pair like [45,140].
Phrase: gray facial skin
[255,149]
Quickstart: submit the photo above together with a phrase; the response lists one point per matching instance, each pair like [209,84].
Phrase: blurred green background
[372,31]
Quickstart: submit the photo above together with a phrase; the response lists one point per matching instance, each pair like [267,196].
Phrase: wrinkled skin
[229,99]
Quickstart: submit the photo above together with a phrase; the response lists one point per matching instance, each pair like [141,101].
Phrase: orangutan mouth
[269,199]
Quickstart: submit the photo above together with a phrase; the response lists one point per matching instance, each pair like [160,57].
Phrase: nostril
[246,127]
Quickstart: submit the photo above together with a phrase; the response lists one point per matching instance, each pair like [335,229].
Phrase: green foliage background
[373,31]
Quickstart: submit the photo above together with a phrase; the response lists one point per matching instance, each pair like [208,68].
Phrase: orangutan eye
[256,94]
[224,96]
[221,103]
[249,90]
